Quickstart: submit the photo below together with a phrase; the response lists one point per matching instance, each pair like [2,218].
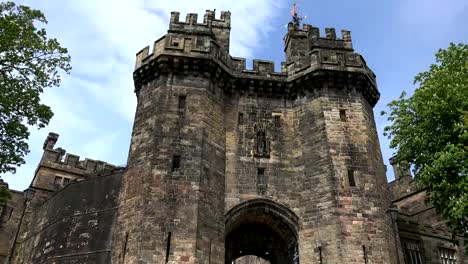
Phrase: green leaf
[430,130]
[30,62]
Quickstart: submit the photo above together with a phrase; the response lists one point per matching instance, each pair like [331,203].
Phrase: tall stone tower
[226,162]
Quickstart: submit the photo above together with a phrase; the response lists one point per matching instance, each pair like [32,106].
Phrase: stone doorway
[263,229]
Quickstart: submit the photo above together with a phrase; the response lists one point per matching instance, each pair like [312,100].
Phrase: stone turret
[215,29]
[298,42]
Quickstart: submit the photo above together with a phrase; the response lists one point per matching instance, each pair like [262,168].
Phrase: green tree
[430,131]
[29,63]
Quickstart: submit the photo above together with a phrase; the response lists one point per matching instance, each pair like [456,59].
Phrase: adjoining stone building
[227,162]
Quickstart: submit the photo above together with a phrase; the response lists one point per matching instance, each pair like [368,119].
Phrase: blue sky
[94,107]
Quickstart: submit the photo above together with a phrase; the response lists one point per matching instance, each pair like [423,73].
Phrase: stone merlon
[192,47]
[58,159]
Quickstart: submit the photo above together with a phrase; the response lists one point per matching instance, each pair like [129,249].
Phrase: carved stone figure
[262,145]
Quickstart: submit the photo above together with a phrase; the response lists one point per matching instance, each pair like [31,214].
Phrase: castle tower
[173,194]
[227,162]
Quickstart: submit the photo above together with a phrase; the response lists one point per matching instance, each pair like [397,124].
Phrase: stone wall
[10,216]
[419,224]
[172,199]
[73,226]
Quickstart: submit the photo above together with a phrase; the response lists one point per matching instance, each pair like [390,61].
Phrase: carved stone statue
[262,145]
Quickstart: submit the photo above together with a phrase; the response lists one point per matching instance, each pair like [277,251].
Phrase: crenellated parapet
[310,38]
[62,163]
[191,47]
[191,22]
[211,28]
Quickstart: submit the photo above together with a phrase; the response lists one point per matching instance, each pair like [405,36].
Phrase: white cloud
[97,99]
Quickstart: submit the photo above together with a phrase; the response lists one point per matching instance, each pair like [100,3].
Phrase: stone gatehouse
[226,163]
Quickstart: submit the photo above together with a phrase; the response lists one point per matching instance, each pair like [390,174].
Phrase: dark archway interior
[261,230]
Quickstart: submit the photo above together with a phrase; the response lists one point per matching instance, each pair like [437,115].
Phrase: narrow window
[320,255]
[58,180]
[261,184]
[412,252]
[182,100]
[240,119]
[168,247]
[343,115]
[209,254]
[364,252]
[351,180]
[277,121]
[125,248]
[175,163]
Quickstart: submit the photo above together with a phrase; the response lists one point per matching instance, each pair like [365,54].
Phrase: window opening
[175,163]
[168,246]
[277,120]
[58,180]
[182,102]
[447,256]
[125,248]
[261,184]
[343,115]
[320,255]
[412,252]
[240,119]
[364,252]
[66,181]
[352,181]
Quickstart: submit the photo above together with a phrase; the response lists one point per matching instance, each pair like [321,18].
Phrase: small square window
[343,117]
[58,180]
[66,181]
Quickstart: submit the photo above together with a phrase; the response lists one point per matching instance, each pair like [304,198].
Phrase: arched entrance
[262,228]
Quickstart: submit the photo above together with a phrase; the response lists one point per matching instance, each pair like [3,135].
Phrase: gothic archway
[261,228]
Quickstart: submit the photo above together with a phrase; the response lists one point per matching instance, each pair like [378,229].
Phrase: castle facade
[227,162]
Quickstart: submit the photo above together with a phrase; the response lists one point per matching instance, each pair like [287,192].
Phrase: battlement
[58,159]
[298,41]
[191,46]
[259,67]
[191,22]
